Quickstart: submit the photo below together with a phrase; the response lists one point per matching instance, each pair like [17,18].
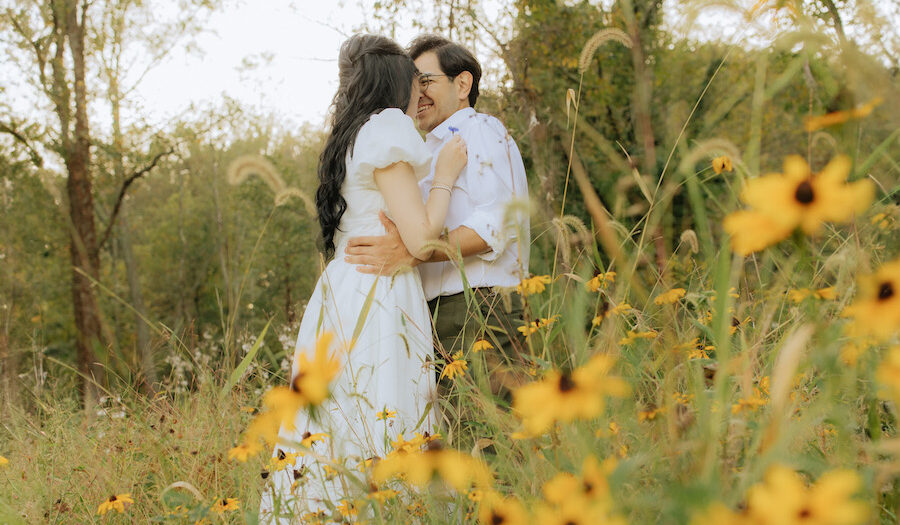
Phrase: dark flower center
[112,498]
[588,487]
[804,193]
[295,384]
[604,308]
[264,474]
[497,519]
[299,473]
[804,513]
[281,455]
[224,502]
[306,434]
[565,382]
[885,291]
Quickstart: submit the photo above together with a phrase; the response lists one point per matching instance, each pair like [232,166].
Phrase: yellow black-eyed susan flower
[244,451]
[825,294]
[225,504]
[3,462]
[876,311]
[650,414]
[722,163]
[419,467]
[565,397]
[309,439]
[669,296]
[348,508]
[457,366]
[592,483]
[780,203]
[720,514]
[386,414]
[783,497]
[497,510]
[536,325]
[839,117]
[308,387]
[607,310]
[532,285]
[748,404]
[600,281]
[115,502]
[281,460]
[481,344]
[632,336]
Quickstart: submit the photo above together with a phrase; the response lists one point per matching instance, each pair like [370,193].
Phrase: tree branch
[125,184]
[35,156]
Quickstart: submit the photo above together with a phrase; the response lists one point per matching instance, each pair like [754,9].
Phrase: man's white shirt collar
[453,121]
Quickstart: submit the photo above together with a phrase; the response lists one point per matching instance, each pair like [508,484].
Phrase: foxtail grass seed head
[598,39]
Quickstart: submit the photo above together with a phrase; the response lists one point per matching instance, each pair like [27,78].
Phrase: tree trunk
[77,155]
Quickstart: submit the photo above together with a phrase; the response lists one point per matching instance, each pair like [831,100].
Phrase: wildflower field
[712,331]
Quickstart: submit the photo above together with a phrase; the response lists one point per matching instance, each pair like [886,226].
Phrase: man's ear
[463,85]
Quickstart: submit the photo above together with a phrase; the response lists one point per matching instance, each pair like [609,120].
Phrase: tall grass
[736,376]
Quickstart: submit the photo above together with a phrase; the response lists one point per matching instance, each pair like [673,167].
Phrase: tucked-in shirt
[490,197]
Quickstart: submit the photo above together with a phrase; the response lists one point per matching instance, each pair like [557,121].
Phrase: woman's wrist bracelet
[439,186]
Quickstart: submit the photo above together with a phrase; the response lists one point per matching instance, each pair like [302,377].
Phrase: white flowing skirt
[387,368]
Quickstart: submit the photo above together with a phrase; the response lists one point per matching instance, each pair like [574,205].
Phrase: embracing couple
[385,198]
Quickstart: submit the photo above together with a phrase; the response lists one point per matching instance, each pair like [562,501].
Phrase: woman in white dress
[372,161]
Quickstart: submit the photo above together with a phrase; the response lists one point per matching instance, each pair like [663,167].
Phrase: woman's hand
[451,160]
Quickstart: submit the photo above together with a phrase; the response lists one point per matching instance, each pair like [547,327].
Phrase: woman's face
[414,94]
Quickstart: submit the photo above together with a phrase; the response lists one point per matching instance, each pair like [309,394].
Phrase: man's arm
[385,254]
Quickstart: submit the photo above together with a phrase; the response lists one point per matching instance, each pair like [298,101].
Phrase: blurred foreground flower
[308,388]
[497,510]
[825,294]
[418,468]
[564,396]
[783,497]
[3,461]
[115,502]
[876,311]
[782,202]
[839,117]
[244,451]
[533,285]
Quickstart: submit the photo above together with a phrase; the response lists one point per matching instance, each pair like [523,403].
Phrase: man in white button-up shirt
[491,235]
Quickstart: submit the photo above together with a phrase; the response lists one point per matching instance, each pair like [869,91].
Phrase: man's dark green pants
[459,321]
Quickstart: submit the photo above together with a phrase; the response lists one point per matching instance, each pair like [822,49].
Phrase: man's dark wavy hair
[453,58]
[374,73]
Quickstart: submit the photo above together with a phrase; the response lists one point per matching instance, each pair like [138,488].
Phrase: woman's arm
[420,223]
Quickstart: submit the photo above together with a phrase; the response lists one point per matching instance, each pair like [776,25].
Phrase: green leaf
[245,362]
[361,320]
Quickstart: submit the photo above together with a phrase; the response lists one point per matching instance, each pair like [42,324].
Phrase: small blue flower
[453,130]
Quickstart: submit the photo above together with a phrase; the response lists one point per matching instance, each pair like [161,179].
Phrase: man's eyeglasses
[426,79]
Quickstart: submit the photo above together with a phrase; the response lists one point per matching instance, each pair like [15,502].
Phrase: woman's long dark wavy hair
[374,73]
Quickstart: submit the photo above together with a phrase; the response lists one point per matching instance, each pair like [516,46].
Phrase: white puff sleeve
[386,138]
